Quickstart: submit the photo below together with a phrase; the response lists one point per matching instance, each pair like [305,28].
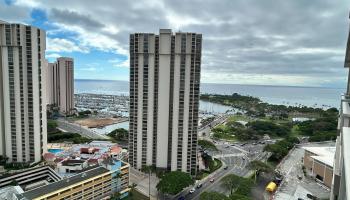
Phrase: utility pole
[149,183]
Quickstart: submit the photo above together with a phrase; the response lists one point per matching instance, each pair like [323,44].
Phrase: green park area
[256,119]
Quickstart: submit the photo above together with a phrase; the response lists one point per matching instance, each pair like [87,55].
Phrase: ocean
[286,95]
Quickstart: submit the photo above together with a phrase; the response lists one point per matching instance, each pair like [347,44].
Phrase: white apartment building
[60,85]
[164,100]
[22,114]
[340,189]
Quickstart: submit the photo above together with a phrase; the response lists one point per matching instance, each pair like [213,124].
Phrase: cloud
[53,55]
[267,42]
[64,45]
[90,67]
[61,16]
[13,13]
[120,62]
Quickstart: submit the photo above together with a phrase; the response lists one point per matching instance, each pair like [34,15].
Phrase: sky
[263,42]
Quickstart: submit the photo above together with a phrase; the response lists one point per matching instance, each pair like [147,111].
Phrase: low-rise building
[319,162]
[30,178]
[70,165]
[97,183]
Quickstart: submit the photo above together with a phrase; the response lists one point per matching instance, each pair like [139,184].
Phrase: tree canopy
[173,182]
[231,182]
[119,134]
[270,128]
[207,144]
[260,166]
[213,196]
[281,148]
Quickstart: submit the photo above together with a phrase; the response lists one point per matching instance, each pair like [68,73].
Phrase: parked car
[226,167]
[212,180]
[310,196]
[192,190]
[199,185]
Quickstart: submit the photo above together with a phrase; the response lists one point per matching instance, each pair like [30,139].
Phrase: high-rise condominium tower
[60,85]
[22,114]
[164,98]
[340,189]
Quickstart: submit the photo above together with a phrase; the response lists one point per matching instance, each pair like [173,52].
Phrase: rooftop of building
[19,172]
[323,154]
[168,31]
[65,183]
[9,191]
[70,162]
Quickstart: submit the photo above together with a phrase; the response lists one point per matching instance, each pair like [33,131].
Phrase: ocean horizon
[275,94]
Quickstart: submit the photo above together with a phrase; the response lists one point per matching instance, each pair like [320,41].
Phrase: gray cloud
[74,18]
[286,38]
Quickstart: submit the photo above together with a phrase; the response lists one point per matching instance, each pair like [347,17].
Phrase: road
[237,159]
[205,130]
[74,128]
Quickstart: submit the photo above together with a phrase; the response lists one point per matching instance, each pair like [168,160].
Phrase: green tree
[173,182]
[51,126]
[3,160]
[213,196]
[207,144]
[231,182]
[245,187]
[260,166]
[119,134]
[239,197]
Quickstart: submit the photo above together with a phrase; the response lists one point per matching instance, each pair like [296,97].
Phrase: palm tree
[148,169]
[259,166]
[231,182]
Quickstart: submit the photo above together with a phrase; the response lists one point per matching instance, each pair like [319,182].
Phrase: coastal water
[286,95]
[309,96]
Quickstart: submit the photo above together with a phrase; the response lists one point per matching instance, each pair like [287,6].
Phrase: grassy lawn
[216,164]
[295,131]
[278,121]
[201,175]
[223,132]
[213,165]
[136,195]
[239,118]
[224,136]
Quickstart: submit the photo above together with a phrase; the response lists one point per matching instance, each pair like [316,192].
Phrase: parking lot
[295,185]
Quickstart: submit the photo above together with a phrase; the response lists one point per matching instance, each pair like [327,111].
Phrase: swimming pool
[54,151]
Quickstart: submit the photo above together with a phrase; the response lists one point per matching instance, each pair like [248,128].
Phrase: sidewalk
[142,181]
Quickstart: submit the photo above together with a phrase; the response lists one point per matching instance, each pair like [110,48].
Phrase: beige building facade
[23,134]
[319,162]
[164,99]
[60,85]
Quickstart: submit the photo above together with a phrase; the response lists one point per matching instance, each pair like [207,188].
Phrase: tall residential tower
[22,114]
[340,189]
[164,100]
[60,85]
